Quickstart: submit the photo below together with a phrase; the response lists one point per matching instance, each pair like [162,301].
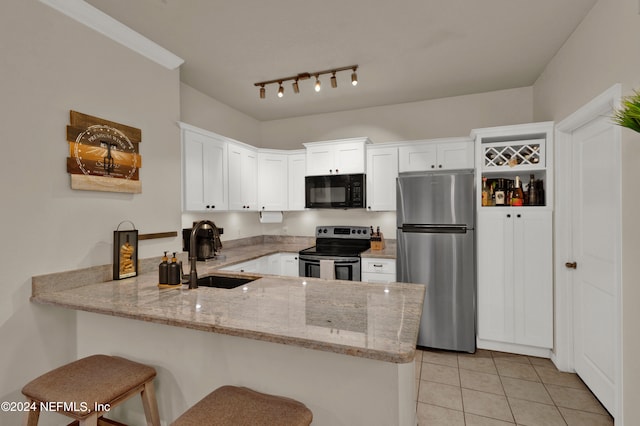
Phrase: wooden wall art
[103,155]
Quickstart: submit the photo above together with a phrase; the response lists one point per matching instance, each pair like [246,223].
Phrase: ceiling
[407,50]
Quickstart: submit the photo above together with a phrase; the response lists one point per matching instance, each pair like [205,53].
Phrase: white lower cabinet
[285,264]
[378,270]
[515,282]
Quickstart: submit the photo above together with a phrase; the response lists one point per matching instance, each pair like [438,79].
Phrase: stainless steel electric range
[341,245]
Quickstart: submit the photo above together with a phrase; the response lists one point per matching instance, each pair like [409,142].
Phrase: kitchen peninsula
[345,349]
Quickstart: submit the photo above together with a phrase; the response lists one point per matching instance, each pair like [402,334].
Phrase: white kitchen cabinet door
[272,181]
[382,171]
[515,282]
[289,264]
[243,182]
[438,154]
[533,294]
[204,163]
[320,160]
[495,276]
[346,156]
[349,158]
[297,167]
[456,155]
[418,157]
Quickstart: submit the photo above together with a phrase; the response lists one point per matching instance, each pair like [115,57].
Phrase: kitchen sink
[223,281]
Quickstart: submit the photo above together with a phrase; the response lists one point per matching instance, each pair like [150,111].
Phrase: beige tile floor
[494,388]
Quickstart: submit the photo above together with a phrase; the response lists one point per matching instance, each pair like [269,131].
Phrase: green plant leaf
[629,113]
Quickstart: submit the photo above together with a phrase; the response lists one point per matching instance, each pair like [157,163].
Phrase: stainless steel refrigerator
[436,247]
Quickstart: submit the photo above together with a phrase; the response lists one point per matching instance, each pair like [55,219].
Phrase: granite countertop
[377,321]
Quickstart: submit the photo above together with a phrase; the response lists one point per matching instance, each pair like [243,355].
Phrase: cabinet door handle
[571,265]
[337,171]
[519,215]
[377,266]
[433,166]
[508,215]
[439,166]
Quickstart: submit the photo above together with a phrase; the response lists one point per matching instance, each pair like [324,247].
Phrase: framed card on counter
[125,253]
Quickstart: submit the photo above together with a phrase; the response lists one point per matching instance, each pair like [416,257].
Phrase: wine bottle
[485,192]
[500,190]
[518,196]
[531,190]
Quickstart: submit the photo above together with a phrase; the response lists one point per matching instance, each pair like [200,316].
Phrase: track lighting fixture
[307,76]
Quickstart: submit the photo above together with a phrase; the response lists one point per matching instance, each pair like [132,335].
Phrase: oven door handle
[335,260]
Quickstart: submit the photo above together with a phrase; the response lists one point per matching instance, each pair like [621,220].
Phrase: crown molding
[99,21]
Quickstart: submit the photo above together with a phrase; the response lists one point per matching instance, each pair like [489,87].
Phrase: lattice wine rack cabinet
[513,155]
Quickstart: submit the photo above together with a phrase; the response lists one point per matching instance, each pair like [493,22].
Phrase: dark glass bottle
[163,273]
[500,193]
[531,191]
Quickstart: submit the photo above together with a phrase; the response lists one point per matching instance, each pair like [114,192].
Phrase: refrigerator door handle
[434,229]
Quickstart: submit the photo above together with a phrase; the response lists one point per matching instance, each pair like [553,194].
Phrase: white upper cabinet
[346,156]
[243,177]
[382,171]
[297,163]
[272,181]
[204,170]
[437,154]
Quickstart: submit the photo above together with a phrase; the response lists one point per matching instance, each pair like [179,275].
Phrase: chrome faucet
[193,256]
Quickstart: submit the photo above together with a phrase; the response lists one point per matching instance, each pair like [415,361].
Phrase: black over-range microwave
[335,191]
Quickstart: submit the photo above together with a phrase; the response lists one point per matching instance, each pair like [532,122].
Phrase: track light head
[296,88]
[354,77]
[334,81]
[317,85]
[262,92]
[280,90]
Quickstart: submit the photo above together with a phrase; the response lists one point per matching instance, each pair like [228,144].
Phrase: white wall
[448,117]
[603,51]
[49,65]
[202,111]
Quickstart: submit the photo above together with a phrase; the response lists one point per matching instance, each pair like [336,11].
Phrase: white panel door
[533,277]
[495,275]
[382,171]
[455,155]
[596,216]
[418,157]
[272,181]
[297,170]
[349,158]
[205,172]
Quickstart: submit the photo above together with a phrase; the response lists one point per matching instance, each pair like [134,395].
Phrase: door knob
[571,265]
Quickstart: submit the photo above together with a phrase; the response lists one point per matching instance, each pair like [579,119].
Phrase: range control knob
[325,230]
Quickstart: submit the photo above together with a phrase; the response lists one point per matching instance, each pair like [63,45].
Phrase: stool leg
[92,420]
[31,417]
[150,404]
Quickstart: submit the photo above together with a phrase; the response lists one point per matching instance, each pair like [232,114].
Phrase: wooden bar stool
[239,406]
[89,387]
